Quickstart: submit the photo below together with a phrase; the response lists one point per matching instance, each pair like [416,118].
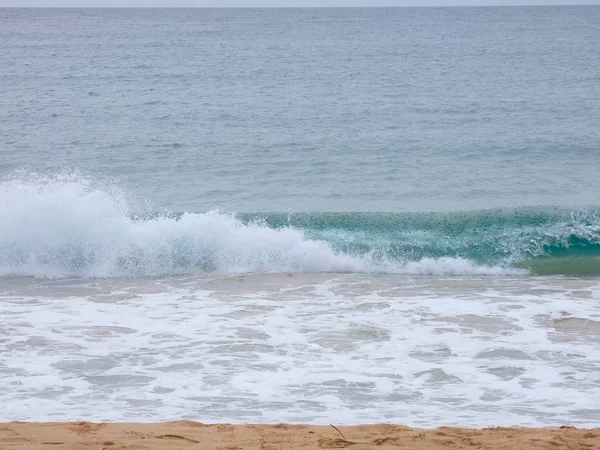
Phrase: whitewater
[303,348]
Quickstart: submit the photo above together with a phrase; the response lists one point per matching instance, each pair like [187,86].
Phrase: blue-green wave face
[67,225]
[540,240]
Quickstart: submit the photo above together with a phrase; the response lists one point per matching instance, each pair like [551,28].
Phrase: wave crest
[69,225]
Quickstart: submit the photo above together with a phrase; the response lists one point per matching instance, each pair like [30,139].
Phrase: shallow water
[314,348]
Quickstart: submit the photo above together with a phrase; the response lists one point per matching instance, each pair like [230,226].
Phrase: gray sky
[280,3]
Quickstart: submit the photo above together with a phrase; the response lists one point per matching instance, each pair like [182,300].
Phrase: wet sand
[184,435]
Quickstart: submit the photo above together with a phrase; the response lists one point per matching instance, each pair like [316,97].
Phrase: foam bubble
[455,266]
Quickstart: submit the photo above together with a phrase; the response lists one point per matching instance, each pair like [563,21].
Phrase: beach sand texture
[193,435]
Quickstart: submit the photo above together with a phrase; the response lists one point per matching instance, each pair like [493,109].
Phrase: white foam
[66,225]
[314,348]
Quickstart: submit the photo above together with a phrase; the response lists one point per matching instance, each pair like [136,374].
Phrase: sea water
[301,215]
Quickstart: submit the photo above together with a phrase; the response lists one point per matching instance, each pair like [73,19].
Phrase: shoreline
[198,436]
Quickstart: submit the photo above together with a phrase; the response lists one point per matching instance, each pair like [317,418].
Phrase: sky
[284,3]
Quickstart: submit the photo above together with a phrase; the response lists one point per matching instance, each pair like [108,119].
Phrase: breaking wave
[68,225]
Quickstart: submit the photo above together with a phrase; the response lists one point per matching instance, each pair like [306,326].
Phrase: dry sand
[193,435]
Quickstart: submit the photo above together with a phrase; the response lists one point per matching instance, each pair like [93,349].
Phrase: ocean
[376,215]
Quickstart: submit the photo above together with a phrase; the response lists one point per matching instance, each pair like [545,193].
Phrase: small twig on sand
[336,429]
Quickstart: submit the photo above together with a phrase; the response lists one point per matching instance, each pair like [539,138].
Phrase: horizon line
[300,7]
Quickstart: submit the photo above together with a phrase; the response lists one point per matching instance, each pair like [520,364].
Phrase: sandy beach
[195,435]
